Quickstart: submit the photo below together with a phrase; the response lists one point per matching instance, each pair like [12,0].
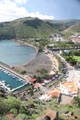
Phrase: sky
[43,9]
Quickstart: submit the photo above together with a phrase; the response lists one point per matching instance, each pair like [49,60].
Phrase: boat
[8,85]
[3,81]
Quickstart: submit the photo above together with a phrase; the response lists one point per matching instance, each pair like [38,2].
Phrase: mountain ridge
[35,28]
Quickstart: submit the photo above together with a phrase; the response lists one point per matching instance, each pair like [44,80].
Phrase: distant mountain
[62,25]
[33,27]
[74,28]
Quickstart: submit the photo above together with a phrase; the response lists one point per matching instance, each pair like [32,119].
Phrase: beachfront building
[69,88]
[51,94]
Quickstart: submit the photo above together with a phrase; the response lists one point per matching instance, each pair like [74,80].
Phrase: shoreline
[54,62]
[41,61]
[30,45]
[27,44]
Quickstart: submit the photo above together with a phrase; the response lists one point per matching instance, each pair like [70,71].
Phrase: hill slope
[26,27]
[62,25]
[75,27]
[34,27]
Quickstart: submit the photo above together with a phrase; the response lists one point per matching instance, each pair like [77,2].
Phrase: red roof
[33,80]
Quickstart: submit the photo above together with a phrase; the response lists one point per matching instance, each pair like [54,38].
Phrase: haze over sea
[14,54]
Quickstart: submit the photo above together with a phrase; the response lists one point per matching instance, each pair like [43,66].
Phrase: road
[72,74]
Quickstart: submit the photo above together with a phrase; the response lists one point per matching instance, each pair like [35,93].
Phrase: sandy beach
[55,63]
[28,44]
[41,61]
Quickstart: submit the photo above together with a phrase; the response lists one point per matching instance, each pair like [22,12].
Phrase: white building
[45,97]
[68,88]
[57,38]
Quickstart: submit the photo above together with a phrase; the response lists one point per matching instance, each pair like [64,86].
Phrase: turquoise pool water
[23,88]
[14,54]
[11,79]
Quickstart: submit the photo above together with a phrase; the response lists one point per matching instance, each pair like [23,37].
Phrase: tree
[39,79]
[23,72]
[2,106]
[22,117]
[12,102]
[42,72]
[71,60]
[14,111]
[77,101]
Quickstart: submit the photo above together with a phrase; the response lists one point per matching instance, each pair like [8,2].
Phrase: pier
[4,86]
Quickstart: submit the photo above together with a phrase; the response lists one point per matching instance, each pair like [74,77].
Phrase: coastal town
[56,85]
[39,59]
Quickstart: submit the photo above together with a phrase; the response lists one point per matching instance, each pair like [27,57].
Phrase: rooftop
[71,85]
[37,85]
[52,114]
[32,80]
[54,93]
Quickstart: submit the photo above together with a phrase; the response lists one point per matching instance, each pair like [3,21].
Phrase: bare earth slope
[41,61]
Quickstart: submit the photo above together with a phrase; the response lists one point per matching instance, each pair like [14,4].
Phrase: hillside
[74,28]
[63,25]
[26,27]
[33,27]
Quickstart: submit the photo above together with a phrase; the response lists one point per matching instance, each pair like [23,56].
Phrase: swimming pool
[10,81]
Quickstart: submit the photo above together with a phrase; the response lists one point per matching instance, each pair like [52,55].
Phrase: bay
[14,54]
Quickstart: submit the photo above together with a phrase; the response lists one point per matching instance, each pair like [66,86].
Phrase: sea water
[14,54]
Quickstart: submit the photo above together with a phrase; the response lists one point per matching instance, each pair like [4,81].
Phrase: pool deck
[4,86]
[18,87]
[3,66]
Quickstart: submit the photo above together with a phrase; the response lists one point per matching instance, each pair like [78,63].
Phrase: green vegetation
[72,57]
[76,55]
[63,44]
[42,43]
[23,72]
[35,28]
[77,58]
[14,106]
[77,101]
[62,25]
[19,70]
[7,104]
[74,28]
[71,60]
[32,108]
[26,28]
[42,73]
